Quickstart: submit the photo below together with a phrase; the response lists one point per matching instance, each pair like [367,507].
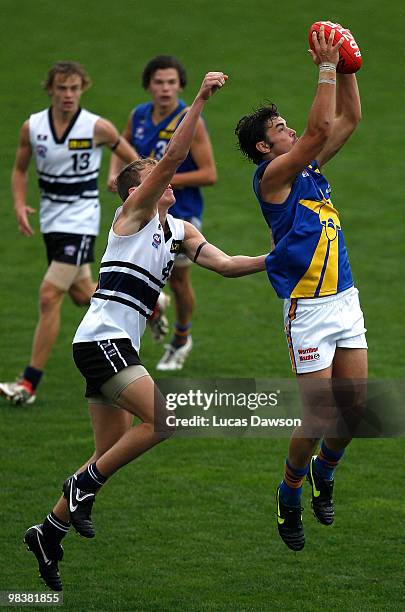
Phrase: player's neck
[159,113]
[62,118]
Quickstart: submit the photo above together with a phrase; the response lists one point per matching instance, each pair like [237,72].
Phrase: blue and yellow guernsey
[310,258]
[151,140]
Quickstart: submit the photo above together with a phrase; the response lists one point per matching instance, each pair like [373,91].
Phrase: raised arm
[209,256]
[280,174]
[348,116]
[105,133]
[201,150]
[143,200]
[116,163]
[19,179]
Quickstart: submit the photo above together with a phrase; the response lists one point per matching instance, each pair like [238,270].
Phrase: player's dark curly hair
[251,129]
[162,62]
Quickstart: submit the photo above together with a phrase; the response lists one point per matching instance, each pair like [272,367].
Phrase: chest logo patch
[156,241]
[76,144]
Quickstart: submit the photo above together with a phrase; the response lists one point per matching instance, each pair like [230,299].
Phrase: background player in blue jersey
[309,269]
[149,129]
[66,142]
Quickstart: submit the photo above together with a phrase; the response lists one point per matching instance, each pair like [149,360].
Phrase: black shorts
[99,361]
[74,249]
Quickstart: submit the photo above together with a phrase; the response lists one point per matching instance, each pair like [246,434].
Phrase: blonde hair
[67,69]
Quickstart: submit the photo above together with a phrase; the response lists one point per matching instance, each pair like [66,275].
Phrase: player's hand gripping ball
[350,56]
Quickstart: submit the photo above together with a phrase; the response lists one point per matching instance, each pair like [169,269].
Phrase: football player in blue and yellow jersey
[309,269]
[149,129]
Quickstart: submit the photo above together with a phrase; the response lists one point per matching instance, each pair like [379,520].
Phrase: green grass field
[191,525]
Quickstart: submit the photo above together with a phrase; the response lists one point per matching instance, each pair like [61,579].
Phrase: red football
[350,55]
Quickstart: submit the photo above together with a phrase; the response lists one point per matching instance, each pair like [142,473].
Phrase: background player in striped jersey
[149,129]
[309,269]
[142,245]
[66,142]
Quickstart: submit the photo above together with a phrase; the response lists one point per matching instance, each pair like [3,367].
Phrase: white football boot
[174,358]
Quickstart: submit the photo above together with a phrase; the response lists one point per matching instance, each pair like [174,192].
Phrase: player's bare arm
[348,116]
[19,179]
[116,163]
[105,133]
[209,256]
[142,202]
[201,150]
[279,175]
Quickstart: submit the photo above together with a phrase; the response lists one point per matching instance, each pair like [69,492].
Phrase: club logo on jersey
[41,150]
[175,247]
[70,250]
[80,143]
[139,132]
[42,136]
[156,240]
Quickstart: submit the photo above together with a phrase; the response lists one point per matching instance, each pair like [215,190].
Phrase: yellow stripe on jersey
[173,123]
[326,256]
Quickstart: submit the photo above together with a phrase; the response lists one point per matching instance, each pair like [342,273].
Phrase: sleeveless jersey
[67,173]
[310,257]
[134,269]
[151,140]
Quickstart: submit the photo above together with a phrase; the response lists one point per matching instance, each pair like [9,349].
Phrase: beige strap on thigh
[62,275]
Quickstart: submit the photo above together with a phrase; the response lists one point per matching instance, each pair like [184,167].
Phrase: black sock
[90,480]
[54,529]
[33,376]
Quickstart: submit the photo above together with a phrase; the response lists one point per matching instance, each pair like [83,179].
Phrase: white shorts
[315,327]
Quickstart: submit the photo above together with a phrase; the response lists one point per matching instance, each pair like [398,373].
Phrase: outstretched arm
[209,256]
[280,174]
[348,115]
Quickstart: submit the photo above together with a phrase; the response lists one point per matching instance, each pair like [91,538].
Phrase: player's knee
[50,297]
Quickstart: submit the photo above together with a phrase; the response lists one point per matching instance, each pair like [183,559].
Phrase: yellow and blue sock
[291,485]
[327,461]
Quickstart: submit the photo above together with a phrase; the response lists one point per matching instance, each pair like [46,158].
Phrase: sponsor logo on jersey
[167,134]
[70,250]
[42,136]
[41,150]
[156,240]
[305,173]
[309,354]
[80,143]
[175,247]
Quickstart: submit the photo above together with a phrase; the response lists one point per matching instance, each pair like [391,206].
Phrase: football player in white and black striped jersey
[66,142]
[142,245]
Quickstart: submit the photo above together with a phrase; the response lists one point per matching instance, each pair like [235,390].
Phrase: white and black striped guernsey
[68,169]
[134,269]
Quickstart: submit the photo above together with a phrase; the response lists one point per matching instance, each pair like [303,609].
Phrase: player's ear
[263,147]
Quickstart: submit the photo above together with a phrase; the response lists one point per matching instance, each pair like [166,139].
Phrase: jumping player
[142,245]
[66,141]
[309,269]
[149,129]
